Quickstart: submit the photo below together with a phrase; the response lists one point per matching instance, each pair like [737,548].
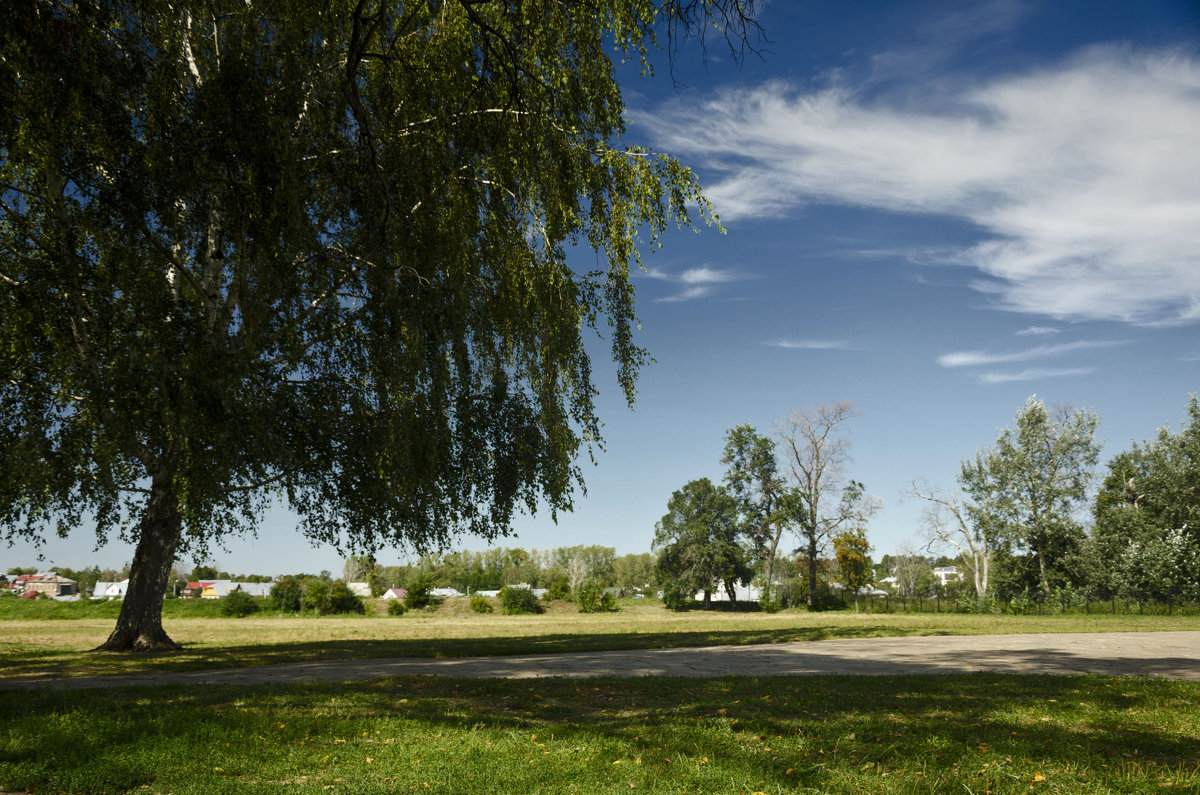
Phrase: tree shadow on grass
[986,732]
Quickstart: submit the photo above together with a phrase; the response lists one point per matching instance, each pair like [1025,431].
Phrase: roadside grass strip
[968,733]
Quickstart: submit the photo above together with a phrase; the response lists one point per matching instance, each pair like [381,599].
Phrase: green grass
[53,647]
[15,609]
[954,733]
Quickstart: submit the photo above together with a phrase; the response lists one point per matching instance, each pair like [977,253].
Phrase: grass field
[51,646]
[976,733]
[959,733]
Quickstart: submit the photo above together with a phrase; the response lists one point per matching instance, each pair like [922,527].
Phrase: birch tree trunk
[139,626]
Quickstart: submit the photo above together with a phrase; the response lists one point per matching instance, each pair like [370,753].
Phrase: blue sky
[932,209]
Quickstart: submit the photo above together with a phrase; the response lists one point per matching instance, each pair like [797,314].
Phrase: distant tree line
[566,568]
[1025,525]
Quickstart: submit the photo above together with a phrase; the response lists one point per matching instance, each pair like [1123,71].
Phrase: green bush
[396,608]
[518,601]
[676,597]
[768,605]
[325,598]
[481,604]
[592,598]
[287,594]
[239,604]
[343,600]
[419,596]
[316,597]
[559,590]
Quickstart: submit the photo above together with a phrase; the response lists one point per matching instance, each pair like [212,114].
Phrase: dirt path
[1172,655]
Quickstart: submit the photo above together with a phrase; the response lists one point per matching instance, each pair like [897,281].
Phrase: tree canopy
[318,254]
[1026,488]
[766,505]
[1147,515]
[698,543]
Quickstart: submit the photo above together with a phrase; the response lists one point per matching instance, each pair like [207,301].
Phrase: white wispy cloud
[1034,374]
[811,345]
[697,282]
[1037,331]
[979,358]
[1083,175]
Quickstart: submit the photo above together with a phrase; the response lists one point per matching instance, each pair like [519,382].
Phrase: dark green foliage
[316,597]
[239,604]
[559,590]
[518,601]
[677,596]
[287,594]
[698,542]
[418,595]
[396,608]
[325,598]
[481,604]
[593,598]
[1146,541]
[343,600]
[320,252]
[766,505]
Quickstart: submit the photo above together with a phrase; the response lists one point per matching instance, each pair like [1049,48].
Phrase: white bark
[946,524]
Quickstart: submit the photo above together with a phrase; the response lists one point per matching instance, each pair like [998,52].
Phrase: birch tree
[314,253]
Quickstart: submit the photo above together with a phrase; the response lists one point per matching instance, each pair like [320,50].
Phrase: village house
[217,589]
[52,585]
[946,574]
[46,582]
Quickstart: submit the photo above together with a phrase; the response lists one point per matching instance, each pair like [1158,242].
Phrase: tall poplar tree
[317,251]
[766,504]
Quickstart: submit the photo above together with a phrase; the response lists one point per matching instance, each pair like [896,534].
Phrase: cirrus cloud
[699,282]
[978,358]
[1082,175]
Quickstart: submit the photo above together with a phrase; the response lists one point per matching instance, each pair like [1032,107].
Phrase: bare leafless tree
[948,523]
[908,568]
[816,451]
